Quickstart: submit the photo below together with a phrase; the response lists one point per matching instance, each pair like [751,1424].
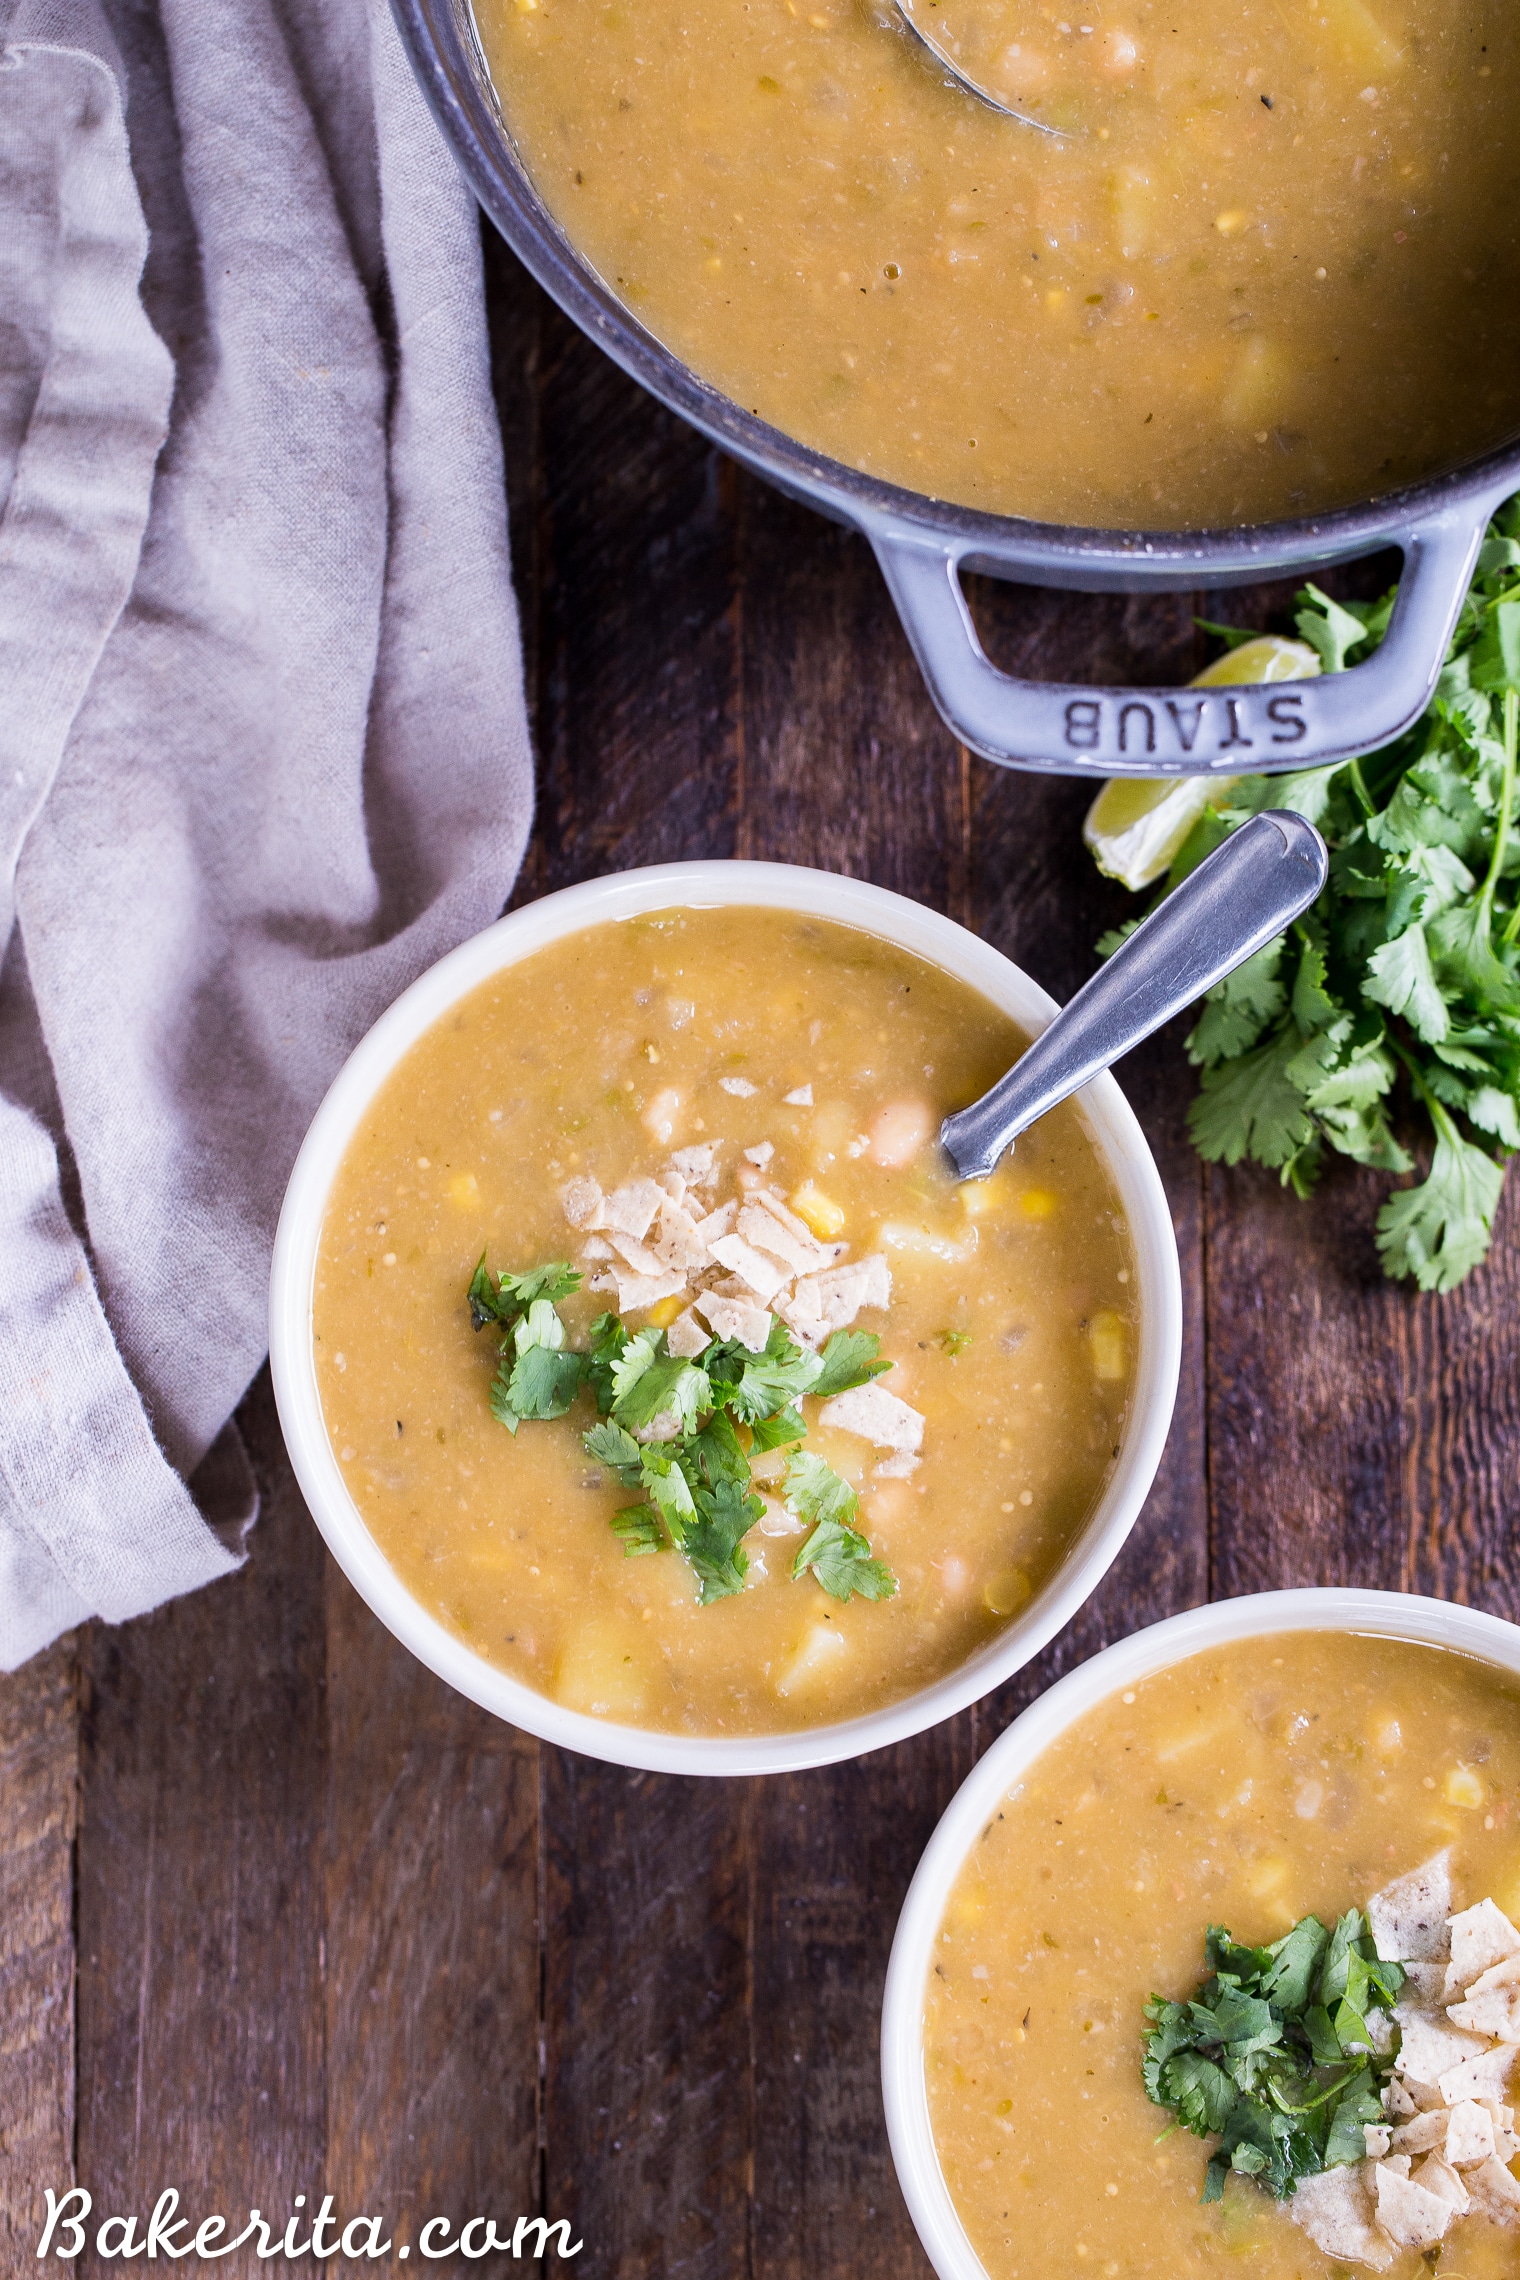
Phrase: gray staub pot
[923,545]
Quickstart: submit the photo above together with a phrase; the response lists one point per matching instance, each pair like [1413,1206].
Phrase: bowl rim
[709,884]
[1382,1614]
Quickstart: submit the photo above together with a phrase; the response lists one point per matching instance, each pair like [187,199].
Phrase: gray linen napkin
[263,749]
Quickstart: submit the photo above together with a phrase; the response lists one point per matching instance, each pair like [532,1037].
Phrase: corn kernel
[1232,221]
[1037,1203]
[1464,1788]
[464,1188]
[818,1212]
[664,1312]
[1107,1335]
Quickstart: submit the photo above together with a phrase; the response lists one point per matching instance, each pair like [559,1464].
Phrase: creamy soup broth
[1274,265]
[1247,1787]
[1012,1324]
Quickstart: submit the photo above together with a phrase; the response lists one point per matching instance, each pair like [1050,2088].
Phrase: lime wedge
[1137,823]
[1270,657]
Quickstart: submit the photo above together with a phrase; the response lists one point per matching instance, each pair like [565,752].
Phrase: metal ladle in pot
[1262,878]
[924,20]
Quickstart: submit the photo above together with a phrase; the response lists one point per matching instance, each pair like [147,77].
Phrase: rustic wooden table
[280,1914]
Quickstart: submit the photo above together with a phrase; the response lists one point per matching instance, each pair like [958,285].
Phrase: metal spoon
[1246,892]
[909,10]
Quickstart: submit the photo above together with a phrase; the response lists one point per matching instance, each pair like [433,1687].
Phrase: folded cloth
[263,748]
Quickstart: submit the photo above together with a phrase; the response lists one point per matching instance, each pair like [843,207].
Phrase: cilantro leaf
[836,1552]
[1324,2043]
[814,1492]
[691,1464]
[544,1382]
[634,1357]
[1252,1107]
[1400,976]
[484,1298]
[1439,1231]
[650,1382]
[668,1490]
[840,1558]
[713,1457]
[1296,1959]
[775,1432]
[501,1403]
[608,1338]
[1359,2103]
[540,1326]
[638,1528]
[850,1358]
[1330,628]
[618,1452]
[712,1544]
[770,1381]
[1201,2093]
[552,1283]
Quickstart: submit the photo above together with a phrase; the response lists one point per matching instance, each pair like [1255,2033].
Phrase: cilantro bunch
[697,1487]
[1402,985]
[1274,2055]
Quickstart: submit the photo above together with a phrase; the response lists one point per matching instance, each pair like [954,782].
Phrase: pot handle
[1245,730]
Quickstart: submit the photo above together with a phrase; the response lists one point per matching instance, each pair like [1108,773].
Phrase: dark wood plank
[432,1950]
[200,1882]
[650,2123]
[1359,1432]
[846,765]
[39,1782]
[636,636]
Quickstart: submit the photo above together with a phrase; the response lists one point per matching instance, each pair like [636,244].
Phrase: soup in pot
[1268,262]
[767,1422]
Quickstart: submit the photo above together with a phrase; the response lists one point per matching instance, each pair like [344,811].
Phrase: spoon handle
[1242,895]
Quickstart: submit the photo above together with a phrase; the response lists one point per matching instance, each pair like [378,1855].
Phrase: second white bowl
[1382,1614]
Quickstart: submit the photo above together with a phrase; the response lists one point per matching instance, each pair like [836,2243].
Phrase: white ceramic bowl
[704,885]
[1383,1614]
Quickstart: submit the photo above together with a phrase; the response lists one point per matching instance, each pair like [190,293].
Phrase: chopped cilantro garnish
[543,1383]
[1274,2056]
[953,1343]
[836,1552]
[712,1545]
[695,1478]
[850,1358]
[511,1295]
[1402,986]
[607,1338]
[616,1452]
[771,1381]
[638,1529]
